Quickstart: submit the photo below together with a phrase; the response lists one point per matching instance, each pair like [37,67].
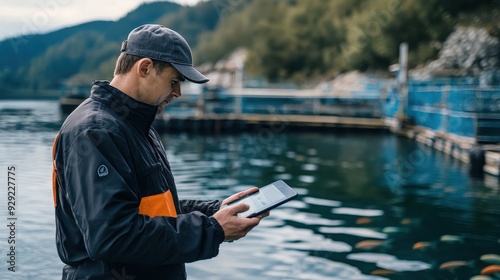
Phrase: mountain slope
[41,61]
[303,41]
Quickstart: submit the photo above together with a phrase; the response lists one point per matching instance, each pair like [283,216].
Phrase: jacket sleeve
[206,207]
[104,196]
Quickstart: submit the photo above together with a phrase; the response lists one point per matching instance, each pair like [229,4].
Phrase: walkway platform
[479,157]
[239,122]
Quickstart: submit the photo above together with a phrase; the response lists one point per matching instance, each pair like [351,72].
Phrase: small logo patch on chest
[102,170]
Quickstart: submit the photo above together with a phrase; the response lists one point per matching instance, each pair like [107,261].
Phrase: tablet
[266,198]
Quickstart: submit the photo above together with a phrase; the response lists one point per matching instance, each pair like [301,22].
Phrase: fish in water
[383,272]
[491,269]
[393,230]
[369,244]
[363,220]
[451,239]
[453,265]
[490,258]
[422,245]
[481,277]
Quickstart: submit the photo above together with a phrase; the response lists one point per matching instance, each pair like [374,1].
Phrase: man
[117,212]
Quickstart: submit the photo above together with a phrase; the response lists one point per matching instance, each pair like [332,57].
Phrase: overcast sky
[22,17]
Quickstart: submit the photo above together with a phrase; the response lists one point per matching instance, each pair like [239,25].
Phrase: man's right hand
[235,227]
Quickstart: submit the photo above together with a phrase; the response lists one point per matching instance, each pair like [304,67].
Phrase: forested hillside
[304,39]
[287,39]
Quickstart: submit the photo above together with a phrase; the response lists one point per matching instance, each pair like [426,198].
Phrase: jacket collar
[139,114]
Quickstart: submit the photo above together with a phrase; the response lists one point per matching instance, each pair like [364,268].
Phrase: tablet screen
[265,197]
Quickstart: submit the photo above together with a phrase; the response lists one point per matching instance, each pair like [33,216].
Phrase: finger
[252,222]
[263,215]
[239,195]
[249,191]
[238,208]
[245,193]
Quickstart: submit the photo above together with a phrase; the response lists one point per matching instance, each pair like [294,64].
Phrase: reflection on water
[370,206]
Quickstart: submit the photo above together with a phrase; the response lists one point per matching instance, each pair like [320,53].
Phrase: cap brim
[190,73]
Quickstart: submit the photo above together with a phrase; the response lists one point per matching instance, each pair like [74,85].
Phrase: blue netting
[451,105]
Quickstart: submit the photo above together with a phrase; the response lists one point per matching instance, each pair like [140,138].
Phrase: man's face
[163,88]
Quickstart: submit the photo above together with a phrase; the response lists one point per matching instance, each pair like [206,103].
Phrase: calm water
[365,201]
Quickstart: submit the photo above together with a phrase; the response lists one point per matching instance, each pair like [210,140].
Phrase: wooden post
[403,83]
[238,86]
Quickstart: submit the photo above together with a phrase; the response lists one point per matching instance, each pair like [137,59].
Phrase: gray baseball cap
[161,43]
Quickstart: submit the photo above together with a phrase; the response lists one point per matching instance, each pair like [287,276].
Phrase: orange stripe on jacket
[158,205]
[54,171]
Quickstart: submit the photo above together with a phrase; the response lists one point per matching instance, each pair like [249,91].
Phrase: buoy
[476,161]
[491,269]
[453,264]
[369,244]
[491,258]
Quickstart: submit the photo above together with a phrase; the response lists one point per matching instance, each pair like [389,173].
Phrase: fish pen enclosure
[454,106]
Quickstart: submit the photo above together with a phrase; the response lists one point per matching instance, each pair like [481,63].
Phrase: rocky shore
[468,51]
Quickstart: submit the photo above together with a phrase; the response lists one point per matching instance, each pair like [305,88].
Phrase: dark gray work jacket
[117,212]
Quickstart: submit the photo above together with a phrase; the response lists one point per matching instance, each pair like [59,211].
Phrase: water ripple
[312,237]
[304,218]
[362,232]
[322,202]
[389,262]
[358,212]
